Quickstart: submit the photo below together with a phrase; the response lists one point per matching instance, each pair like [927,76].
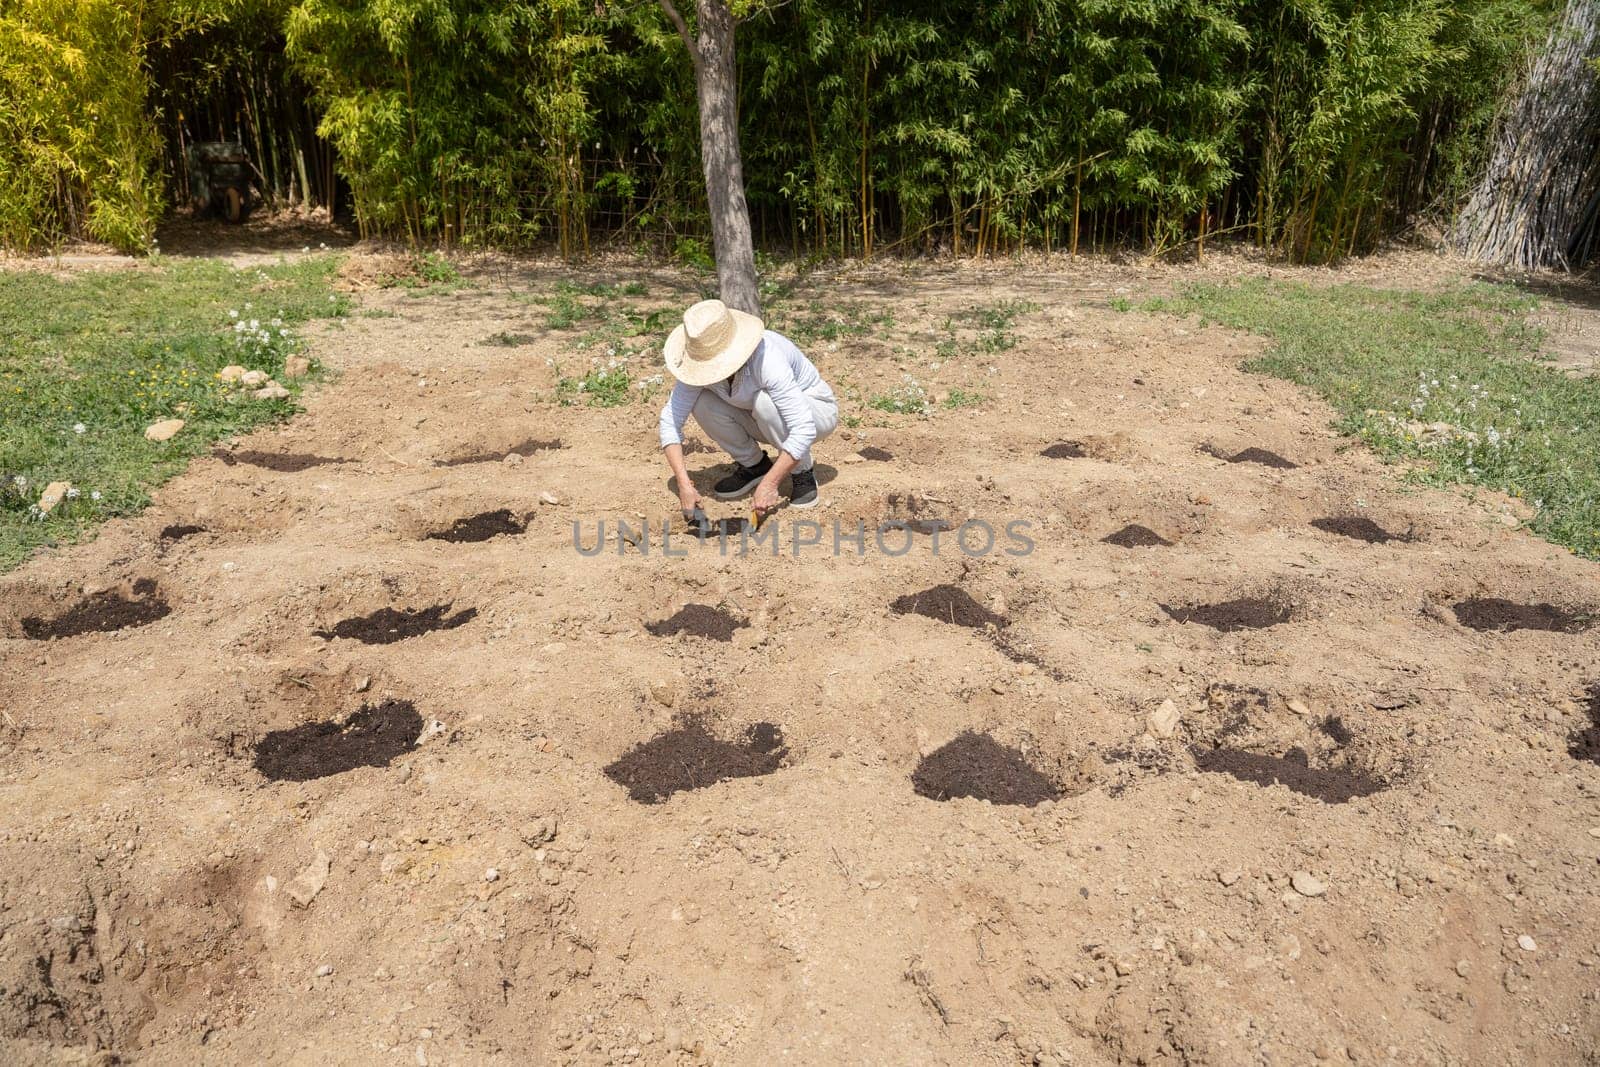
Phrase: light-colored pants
[740,433]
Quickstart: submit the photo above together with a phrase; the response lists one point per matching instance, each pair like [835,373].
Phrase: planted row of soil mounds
[1585,744]
[688,756]
[976,765]
[101,613]
[1135,536]
[1252,455]
[1493,614]
[282,462]
[1293,769]
[372,737]
[1065,450]
[698,620]
[525,449]
[875,454]
[481,527]
[1358,527]
[386,625]
[1230,616]
[948,603]
[177,532]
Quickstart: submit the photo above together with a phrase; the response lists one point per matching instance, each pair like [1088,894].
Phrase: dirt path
[1317,840]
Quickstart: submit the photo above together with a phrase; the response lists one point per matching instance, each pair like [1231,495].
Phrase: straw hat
[713,342]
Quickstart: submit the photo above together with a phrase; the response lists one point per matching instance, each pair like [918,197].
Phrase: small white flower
[20,481]
[73,494]
[79,428]
[94,495]
[233,314]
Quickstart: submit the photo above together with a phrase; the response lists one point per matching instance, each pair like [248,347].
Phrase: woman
[745,385]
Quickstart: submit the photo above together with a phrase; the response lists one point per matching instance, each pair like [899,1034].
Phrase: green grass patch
[908,398]
[828,320]
[87,362]
[602,387]
[1447,382]
[961,398]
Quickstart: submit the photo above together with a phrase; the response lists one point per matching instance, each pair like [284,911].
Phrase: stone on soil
[1306,884]
[309,882]
[254,378]
[271,391]
[1163,722]
[231,373]
[296,367]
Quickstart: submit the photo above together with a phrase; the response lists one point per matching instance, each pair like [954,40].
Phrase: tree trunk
[717,82]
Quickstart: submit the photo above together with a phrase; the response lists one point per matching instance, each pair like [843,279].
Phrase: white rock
[1163,722]
[254,378]
[492,874]
[1307,884]
[271,391]
[325,970]
[513,459]
[1229,877]
[549,498]
[309,882]
[1526,943]
[664,692]
[1299,707]
[231,373]
[165,430]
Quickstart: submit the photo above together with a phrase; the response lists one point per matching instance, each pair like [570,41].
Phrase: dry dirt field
[345,791]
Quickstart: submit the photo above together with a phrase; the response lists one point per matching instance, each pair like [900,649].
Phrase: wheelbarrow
[219,179]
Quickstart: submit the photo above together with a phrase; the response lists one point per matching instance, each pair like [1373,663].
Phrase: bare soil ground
[1272,798]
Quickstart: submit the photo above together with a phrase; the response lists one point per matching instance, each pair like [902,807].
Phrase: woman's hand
[766,498]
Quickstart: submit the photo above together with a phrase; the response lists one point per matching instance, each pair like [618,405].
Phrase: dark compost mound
[689,757]
[177,532]
[481,527]
[949,604]
[875,454]
[282,462]
[525,449]
[1246,613]
[1135,536]
[1585,744]
[1293,770]
[372,737]
[386,625]
[976,765]
[101,613]
[1253,455]
[1065,450]
[1358,527]
[697,620]
[1495,614]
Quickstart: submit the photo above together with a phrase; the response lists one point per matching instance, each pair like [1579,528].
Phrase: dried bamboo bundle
[1538,202]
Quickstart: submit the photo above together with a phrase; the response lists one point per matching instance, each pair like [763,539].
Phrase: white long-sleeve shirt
[776,368]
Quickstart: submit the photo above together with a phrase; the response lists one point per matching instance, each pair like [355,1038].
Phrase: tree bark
[717,86]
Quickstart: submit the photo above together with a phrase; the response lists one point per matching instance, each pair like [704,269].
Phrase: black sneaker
[803,493]
[742,480]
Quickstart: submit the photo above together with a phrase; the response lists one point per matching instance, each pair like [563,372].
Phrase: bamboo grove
[1312,127]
